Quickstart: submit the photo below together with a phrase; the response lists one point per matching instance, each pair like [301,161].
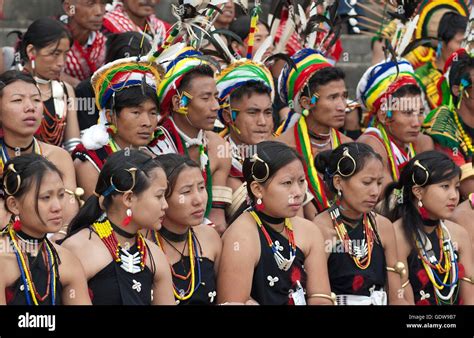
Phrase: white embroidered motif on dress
[272,280]
[424,295]
[137,286]
[212,295]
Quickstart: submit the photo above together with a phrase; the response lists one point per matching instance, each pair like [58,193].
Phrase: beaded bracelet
[218,205]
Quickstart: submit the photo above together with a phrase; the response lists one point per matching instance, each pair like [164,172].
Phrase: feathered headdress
[112,78]
[179,61]
[432,11]
[382,80]
[238,74]
[245,70]
[318,33]
[319,30]
[468,42]
[195,23]
[292,81]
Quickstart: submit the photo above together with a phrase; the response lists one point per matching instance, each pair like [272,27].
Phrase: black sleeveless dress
[114,286]
[206,293]
[346,278]
[423,289]
[270,285]
[52,127]
[15,293]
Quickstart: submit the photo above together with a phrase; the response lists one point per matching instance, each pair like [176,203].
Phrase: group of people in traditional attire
[220,159]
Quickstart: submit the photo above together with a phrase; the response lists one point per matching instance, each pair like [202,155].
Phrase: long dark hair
[115,169]
[26,172]
[274,155]
[327,161]
[439,167]
[174,164]
[125,45]
[41,33]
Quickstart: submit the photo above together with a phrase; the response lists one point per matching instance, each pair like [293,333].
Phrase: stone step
[25,11]
[356,58]
[357,48]
[353,71]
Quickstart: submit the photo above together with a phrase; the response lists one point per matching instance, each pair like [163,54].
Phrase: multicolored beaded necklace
[31,294]
[194,260]
[388,144]
[434,267]
[107,235]
[360,258]
[114,146]
[303,146]
[5,158]
[282,262]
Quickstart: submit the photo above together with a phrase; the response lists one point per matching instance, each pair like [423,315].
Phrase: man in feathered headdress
[245,94]
[189,104]
[392,98]
[451,126]
[125,93]
[316,92]
[444,20]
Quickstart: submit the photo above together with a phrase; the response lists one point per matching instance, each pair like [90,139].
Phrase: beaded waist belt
[378,297]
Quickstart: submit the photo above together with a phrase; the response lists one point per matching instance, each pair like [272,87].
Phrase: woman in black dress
[193,249]
[43,50]
[436,251]
[35,271]
[270,255]
[361,254]
[122,267]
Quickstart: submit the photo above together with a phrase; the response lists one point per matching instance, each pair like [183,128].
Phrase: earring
[112,129]
[126,220]
[339,197]
[17,224]
[33,64]
[438,49]
[260,206]
[420,204]
[422,210]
